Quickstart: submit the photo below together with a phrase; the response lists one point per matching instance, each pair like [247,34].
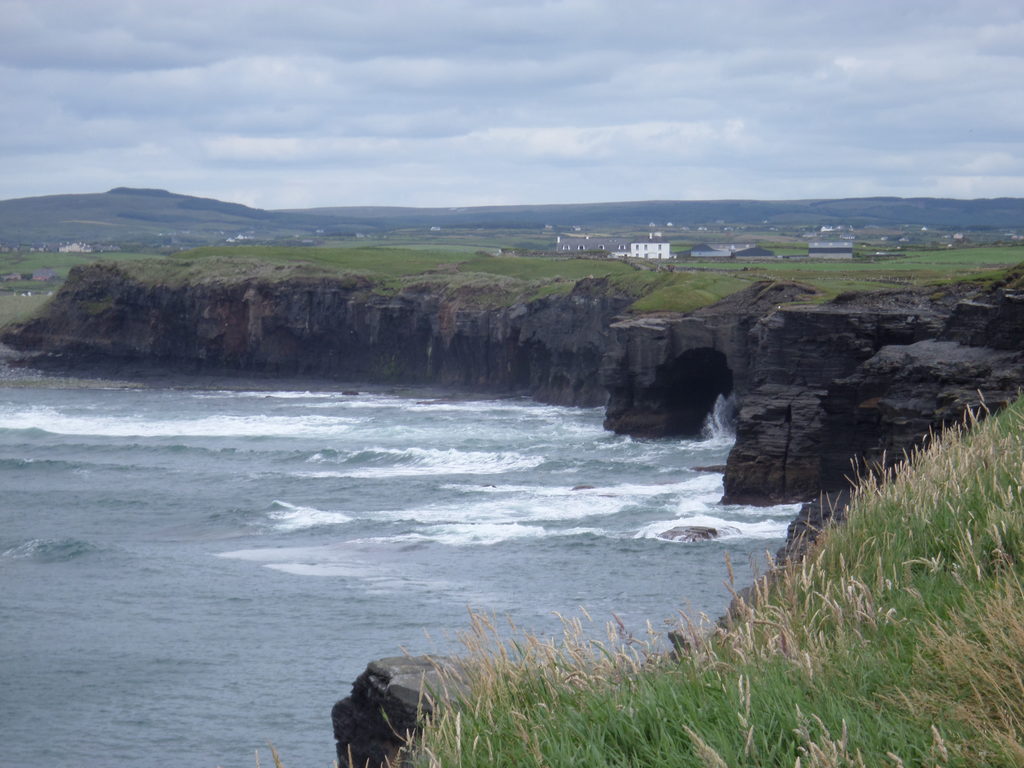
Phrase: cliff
[343,327]
[824,390]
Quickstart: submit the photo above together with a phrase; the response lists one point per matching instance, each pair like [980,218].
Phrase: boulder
[387,707]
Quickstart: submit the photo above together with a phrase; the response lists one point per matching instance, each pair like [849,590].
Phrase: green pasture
[479,278]
[834,276]
[61,263]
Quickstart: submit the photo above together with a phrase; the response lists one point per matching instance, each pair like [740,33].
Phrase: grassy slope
[900,643]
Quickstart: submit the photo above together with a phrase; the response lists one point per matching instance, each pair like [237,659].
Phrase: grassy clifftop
[900,642]
[486,280]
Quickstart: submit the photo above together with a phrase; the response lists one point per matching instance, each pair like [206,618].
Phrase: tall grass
[898,642]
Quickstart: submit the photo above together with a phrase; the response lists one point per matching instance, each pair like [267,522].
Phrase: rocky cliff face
[822,388]
[664,372]
[549,348]
[859,379]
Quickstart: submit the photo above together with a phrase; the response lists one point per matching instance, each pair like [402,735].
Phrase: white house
[652,248]
[75,248]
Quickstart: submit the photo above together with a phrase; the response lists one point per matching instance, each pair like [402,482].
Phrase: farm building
[615,245]
[830,250]
[651,248]
[726,250]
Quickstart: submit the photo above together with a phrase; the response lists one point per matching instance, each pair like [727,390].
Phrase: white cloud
[454,102]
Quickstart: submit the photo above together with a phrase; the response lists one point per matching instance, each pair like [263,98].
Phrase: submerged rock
[692,533]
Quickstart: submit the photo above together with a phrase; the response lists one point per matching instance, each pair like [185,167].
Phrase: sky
[471,102]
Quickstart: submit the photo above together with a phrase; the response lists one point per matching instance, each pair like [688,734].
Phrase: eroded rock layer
[822,389]
[549,348]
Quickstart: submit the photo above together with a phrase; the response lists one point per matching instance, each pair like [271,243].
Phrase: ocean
[187,575]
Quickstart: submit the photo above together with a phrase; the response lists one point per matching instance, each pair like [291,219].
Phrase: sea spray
[720,423]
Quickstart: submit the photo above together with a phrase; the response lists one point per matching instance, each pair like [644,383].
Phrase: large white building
[650,248]
[75,248]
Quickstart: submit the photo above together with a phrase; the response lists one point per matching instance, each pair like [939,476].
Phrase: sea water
[187,575]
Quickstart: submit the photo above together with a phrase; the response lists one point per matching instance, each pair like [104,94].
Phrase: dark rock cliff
[823,390]
[664,372]
[548,348]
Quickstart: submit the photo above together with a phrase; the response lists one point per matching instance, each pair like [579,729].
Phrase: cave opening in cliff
[689,386]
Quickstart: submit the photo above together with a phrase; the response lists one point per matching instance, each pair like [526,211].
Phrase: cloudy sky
[472,102]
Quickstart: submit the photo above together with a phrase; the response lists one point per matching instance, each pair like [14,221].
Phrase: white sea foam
[720,425]
[470,534]
[289,517]
[52,421]
[727,528]
[703,484]
[273,554]
[259,394]
[317,569]
[411,462]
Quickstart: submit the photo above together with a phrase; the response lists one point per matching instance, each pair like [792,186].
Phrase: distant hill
[127,214]
[860,211]
[124,214]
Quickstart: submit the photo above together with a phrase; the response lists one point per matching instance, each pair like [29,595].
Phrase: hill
[127,214]
[865,211]
[132,214]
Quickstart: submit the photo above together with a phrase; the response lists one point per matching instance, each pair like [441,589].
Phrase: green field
[27,262]
[831,277]
[477,277]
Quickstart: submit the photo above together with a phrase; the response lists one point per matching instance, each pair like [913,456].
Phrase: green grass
[898,642]
[16,308]
[474,279]
[832,277]
[61,263]
[463,273]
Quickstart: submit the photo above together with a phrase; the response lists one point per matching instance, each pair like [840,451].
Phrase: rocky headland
[823,390]
[344,328]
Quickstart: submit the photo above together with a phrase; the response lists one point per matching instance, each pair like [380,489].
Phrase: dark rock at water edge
[388,705]
[549,348]
[814,517]
[824,391]
[694,533]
